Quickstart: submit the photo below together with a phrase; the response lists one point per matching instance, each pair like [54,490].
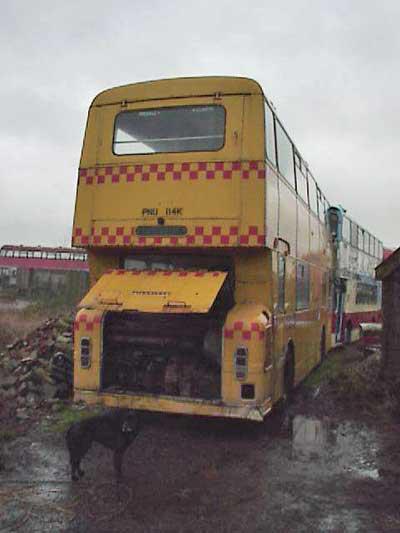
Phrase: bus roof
[177,88]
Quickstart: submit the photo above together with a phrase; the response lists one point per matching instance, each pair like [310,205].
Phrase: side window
[366,241]
[354,234]
[285,155]
[321,206]
[270,135]
[302,285]
[366,293]
[360,238]
[346,229]
[301,178]
[313,194]
[281,282]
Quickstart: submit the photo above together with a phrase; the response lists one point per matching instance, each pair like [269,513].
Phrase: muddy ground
[308,468]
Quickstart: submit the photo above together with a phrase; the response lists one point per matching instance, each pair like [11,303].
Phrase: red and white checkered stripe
[246,332]
[224,170]
[167,273]
[87,322]
[216,236]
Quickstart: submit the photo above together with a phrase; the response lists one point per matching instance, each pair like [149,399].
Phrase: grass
[70,414]
[7,435]
[350,380]
[51,305]
[328,370]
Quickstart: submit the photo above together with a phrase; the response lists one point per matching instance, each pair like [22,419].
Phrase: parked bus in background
[357,294]
[209,255]
[31,271]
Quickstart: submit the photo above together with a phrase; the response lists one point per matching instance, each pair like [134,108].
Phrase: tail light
[241,357]
[85,353]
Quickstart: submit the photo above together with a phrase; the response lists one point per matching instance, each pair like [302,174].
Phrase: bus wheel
[288,375]
[347,333]
[322,345]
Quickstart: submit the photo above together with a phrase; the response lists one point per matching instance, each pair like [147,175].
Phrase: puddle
[339,447]
[345,521]
[35,492]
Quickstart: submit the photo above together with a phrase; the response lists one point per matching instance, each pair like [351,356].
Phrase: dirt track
[295,472]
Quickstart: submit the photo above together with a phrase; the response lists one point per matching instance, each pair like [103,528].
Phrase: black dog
[115,430]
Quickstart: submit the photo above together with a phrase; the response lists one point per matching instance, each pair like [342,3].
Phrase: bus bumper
[176,405]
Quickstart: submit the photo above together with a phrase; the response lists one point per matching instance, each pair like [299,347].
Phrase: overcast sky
[331,68]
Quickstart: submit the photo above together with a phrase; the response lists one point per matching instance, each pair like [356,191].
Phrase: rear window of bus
[171,129]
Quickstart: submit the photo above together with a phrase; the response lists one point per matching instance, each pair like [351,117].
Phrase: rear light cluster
[85,353]
[241,357]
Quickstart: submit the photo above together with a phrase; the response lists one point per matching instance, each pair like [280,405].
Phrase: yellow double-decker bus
[208,251]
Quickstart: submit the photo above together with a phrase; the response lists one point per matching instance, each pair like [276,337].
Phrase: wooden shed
[389,273]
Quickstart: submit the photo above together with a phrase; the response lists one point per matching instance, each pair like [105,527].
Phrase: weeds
[70,414]
[354,382]
[7,435]
[17,324]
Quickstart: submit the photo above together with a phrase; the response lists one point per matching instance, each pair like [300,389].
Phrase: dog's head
[130,423]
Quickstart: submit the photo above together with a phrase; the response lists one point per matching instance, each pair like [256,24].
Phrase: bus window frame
[315,189]
[292,184]
[304,175]
[320,202]
[346,235]
[360,238]
[353,234]
[173,152]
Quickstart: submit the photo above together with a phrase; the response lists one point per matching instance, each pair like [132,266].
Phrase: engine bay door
[152,291]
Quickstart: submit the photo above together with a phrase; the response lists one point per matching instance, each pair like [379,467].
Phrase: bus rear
[171,208]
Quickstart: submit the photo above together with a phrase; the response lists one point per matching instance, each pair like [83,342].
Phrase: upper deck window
[346,229]
[170,129]
[313,194]
[301,178]
[285,155]
[270,135]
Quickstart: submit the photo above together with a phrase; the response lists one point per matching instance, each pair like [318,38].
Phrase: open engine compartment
[163,354]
